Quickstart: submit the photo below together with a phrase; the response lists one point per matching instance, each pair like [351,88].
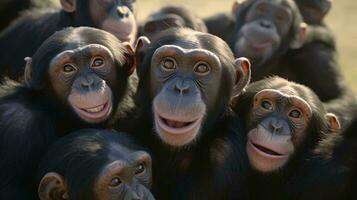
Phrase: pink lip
[103,112]
[256,45]
[252,146]
[176,131]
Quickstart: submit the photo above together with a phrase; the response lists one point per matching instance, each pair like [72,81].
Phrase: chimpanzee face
[266,29]
[181,76]
[266,24]
[187,76]
[92,164]
[84,70]
[82,75]
[284,119]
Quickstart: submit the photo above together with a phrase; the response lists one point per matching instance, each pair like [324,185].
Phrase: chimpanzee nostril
[276,126]
[265,24]
[87,83]
[182,89]
[123,11]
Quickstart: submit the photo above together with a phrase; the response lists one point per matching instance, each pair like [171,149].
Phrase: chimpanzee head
[266,29]
[84,70]
[284,120]
[187,79]
[169,17]
[95,164]
[115,16]
[314,11]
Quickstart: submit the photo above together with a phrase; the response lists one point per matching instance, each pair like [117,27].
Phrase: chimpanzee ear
[130,56]
[243,74]
[142,44]
[28,71]
[300,38]
[236,5]
[69,5]
[333,122]
[52,187]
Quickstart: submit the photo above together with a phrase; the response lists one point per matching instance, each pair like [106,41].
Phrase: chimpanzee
[28,32]
[266,31]
[172,16]
[284,122]
[95,164]
[78,78]
[187,80]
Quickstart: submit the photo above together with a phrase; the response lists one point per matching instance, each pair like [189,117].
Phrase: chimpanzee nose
[123,11]
[265,24]
[88,83]
[276,126]
[182,87]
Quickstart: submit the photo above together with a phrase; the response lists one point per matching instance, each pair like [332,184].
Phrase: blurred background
[342,20]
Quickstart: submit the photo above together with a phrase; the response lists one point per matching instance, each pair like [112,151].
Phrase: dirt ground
[342,20]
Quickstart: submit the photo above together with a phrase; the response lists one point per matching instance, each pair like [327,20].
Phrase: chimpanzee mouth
[175,126]
[265,151]
[95,114]
[256,44]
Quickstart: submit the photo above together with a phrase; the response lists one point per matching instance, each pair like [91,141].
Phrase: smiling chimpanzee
[187,80]
[169,17]
[95,164]
[78,78]
[27,33]
[284,121]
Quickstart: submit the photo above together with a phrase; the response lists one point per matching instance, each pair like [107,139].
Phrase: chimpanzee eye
[115,182]
[295,114]
[267,105]
[202,69]
[168,64]
[140,169]
[68,68]
[98,62]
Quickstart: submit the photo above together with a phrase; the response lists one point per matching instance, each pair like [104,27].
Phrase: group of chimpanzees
[97,112]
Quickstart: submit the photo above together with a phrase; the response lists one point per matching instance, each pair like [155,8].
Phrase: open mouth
[267,152]
[175,126]
[95,114]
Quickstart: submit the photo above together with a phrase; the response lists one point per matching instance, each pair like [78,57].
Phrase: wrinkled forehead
[285,95]
[188,52]
[280,5]
[75,51]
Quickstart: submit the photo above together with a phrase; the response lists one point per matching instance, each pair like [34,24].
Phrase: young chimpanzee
[78,78]
[27,33]
[284,122]
[95,164]
[187,81]
[169,17]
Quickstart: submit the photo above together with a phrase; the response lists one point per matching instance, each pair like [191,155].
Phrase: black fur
[213,166]
[280,184]
[31,117]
